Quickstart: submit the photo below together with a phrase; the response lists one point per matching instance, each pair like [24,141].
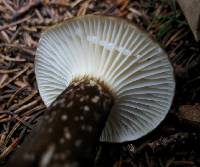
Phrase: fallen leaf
[190,112]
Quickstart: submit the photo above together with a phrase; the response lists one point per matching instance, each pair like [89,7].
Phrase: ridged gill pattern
[114,50]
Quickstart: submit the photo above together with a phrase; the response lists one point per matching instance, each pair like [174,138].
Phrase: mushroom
[102,78]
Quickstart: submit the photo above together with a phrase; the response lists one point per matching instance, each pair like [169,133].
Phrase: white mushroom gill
[120,54]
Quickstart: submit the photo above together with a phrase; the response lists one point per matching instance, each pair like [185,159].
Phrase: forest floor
[176,142]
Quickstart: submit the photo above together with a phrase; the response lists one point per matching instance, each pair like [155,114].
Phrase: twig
[18,46]
[10,134]
[169,162]
[6,119]
[14,35]
[76,3]
[46,22]
[2,139]
[9,149]
[14,23]
[27,106]
[5,96]
[8,6]
[124,5]
[26,8]
[7,112]
[183,163]
[135,12]
[9,71]
[82,10]
[13,96]
[8,58]
[15,77]
[26,99]
[58,3]
[37,108]
[5,37]
[3,79]
[23,122]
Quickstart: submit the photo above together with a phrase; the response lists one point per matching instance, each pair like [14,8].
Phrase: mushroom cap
[116,51]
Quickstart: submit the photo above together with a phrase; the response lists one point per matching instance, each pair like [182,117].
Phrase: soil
[175,142]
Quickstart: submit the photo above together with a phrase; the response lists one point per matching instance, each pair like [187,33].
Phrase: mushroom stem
[71,128]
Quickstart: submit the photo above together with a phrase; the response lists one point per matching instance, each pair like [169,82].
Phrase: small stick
[76,3]
[37,108]
[5,37]
[12,59]
[6,26]
[27,106]
[21,47]
[183,163]
[83,9]
[2,139]
[11,133]
[39,15]
[9,149]
[135,11]
[6,113]
[124,5]
[58,3]
[5,96]
[8,6]
[26,8]
[23,122]
[6,119]
[15,77]
[3,79]
[26,99]
[14,35]
[13,96]
[8,71]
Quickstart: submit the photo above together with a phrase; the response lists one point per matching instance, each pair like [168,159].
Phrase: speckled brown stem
[70,130]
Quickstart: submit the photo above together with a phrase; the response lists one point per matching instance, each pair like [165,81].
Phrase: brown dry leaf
[190,112]
[192,14]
